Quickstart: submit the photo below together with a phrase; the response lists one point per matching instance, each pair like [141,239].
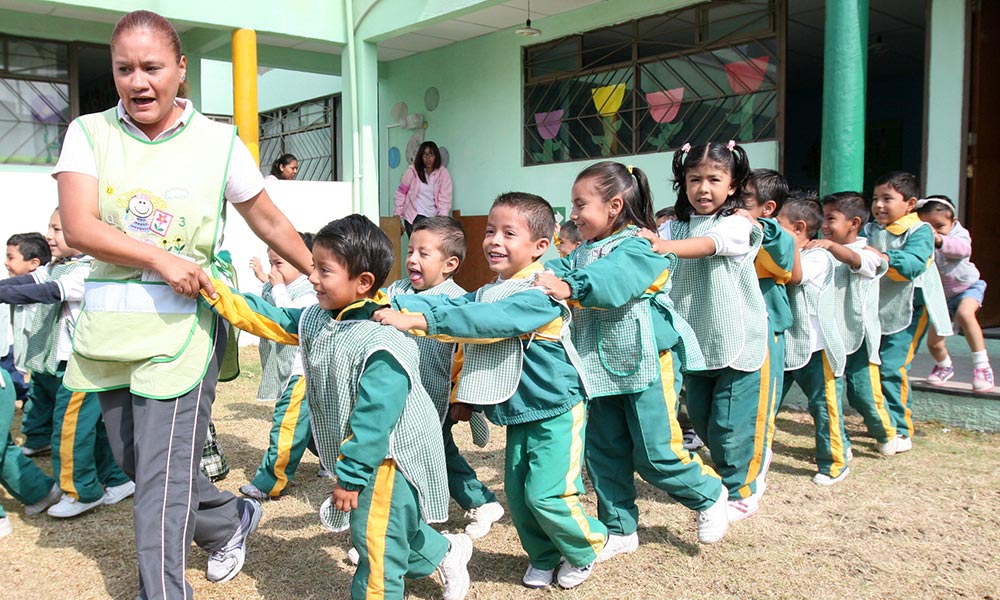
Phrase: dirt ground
[924,524]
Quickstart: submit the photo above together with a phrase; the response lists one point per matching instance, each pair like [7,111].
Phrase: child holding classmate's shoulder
[777,265]
[910,294]
[814,350]
[856,278]
[436,250]
[632,345]
[715,290]
[282,381]
[569,239]
[521,366]
[370,413]
[963,289]
[81,456]
[26,252]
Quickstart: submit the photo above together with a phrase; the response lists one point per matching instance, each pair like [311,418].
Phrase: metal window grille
[696,75]
[311,131]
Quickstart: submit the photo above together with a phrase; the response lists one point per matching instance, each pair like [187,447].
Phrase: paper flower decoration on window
[608,99]
[664,105]
[746,76]
[549,123]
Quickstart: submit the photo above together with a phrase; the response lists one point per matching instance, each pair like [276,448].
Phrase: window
[34,100]
[647,85]
[311,131]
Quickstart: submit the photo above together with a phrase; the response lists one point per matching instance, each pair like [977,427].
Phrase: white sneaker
[69,506]
[5,528]
[887,448]
[618,544]
[454,567]
[536,578]
[569,576]
[850,454]
[903,444]
[53,496]
[823,479]
[251,491]
[737,510]
[36,451]
[714,520]
[353,556]
[483,517]
[226,562]
[117,493]
[691,441]
[762,476]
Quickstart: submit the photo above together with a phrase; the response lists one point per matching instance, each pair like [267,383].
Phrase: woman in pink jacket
[425,190]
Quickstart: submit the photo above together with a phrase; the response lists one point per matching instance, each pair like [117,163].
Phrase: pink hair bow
[731,145]
[686,147]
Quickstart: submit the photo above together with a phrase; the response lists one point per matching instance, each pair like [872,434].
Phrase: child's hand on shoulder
[819,243]
[553,286]
[258,271]
[344,500]
[746,215]
[646,234]
[400,320]
[884,256]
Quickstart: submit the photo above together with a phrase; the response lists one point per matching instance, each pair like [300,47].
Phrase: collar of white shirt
[130,125]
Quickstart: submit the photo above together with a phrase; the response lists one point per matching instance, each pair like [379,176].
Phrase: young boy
[569,238]
[26,252]
[518,366]
[436,249]
[910,294]
[282,382]
[370,413]
[81,456]
[777,265]
[857,282]
[814,351]
[963,289]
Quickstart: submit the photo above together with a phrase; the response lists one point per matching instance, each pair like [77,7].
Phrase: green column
[360,124]
[845,58]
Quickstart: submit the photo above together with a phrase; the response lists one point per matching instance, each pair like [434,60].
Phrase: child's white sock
[946,363]
[979,359]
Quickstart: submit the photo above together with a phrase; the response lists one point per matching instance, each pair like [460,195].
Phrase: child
[370,413]
[282,381]
[857,284]
[963,290]
[569,239]
[777,265]
[518,365]
[19,475]
[910,294]
[631,345]
[665,214]
[814,351]
[26,252]
[435,251]
[81,455]
[715,290]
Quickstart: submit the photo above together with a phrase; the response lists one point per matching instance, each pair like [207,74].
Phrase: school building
[522,94]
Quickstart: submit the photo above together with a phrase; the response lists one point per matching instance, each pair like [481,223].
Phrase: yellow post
[245,88]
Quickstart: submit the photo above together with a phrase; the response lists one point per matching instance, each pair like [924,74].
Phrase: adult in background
[152,168]
[284,167]
[425,189]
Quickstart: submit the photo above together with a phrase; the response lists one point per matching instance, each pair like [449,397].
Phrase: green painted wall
[945,106]
[479,115]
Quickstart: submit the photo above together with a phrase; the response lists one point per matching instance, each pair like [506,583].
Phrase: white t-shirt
[815,267]
[869,260]
[243,183]
[731,235]
[71,288]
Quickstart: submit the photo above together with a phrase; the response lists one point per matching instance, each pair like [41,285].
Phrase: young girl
[631,345]
[715,290]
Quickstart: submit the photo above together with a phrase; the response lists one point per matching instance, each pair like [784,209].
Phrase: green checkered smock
[276,360]
[805,301]
[857,309]
[43,338]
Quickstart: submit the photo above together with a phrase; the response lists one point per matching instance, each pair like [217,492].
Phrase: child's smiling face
[889,206]
[508,245]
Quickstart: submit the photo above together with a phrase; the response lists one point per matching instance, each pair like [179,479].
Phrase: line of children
[81,457]
[963,289]
[370,413]
[282,382]
[631,345]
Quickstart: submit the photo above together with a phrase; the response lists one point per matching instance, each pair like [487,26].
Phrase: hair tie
[630,167]
[686,147]
[731,145]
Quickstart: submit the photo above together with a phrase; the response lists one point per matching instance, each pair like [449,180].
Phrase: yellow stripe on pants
[67,440]
[378,524]
[879,397]
[286,437]
[760,425]
[572,495]
[904,386]
[833,417]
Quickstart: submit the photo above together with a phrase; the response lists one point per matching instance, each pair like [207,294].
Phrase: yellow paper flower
[608,99]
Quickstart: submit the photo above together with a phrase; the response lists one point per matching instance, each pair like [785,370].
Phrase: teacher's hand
[184,277]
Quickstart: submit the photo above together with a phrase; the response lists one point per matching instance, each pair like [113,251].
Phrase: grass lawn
[924,524]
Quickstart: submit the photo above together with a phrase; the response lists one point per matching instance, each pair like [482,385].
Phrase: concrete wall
[276,87]
[945,106]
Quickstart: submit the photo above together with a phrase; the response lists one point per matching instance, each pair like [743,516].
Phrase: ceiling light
[528,30]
